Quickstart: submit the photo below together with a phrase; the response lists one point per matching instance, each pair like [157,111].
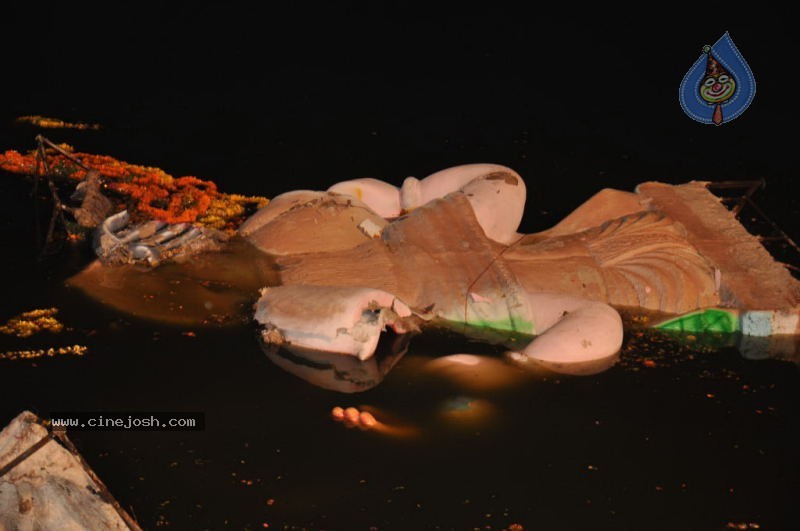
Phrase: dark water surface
[700,440]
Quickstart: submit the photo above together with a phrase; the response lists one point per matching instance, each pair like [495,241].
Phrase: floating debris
[55,123]
[28,323]
[77,350]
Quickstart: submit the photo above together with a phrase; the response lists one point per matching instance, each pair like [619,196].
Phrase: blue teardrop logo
[719,86]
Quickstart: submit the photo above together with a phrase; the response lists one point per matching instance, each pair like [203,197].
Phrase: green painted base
[709,320]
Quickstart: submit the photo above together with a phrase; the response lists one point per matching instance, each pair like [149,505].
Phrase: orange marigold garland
[15,162]
[150,192]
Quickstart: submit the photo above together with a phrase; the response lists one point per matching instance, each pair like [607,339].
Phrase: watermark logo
[719,86]
[128,420]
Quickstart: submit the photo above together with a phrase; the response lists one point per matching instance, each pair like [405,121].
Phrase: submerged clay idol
[444,250]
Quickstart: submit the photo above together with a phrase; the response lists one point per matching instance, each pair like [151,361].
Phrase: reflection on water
[339,372]
[347,374]
[473,372]
[778,347]
[460,393]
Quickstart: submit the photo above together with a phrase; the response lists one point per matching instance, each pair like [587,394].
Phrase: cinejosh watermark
[128,420]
